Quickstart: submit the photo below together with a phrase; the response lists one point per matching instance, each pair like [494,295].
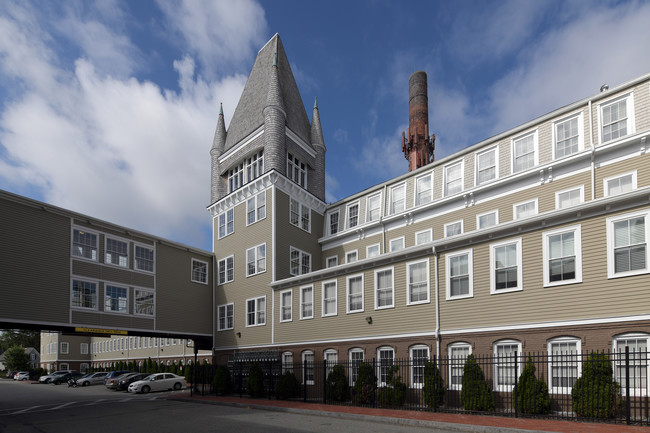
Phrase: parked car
[22,375]
[116,373]
[111,382]
[158,382]
[48,377]
[128,379]
[64,378]
[92,379]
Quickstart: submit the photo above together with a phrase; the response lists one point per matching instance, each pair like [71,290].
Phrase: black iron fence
[604,386]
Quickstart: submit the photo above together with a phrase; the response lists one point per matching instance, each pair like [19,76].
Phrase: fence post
[374,388]
[514,394]
[627,384]
[304,380]
[324,381]
[241,373]
[434,381]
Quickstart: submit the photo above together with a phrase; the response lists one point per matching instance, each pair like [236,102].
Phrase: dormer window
[296,170]
[250,169]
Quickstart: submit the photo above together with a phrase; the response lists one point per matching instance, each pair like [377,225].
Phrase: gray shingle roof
[249,113]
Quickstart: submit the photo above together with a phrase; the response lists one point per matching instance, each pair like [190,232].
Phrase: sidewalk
[448,421]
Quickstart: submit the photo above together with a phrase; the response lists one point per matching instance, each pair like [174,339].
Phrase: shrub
[477,393]
[287,387]
[394,393]
[531,394]
[594,393]
[434,387]
[337,384]
[363,391]
[222,382]
[255,385]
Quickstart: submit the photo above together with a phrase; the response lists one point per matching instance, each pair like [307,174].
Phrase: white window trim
[451,346]
[379,366]
[392,193]
[338,223]
[301,256]
[368,207]
[287,362]
[494,149]
[84,280]
[354,253]
[351,362]
[257,271]
[329,366]
[520,285]
[462,177]
[225,261]
[347,214]
[153,293]
[462,227]
[256,210]
[415,239]
[336,304]
[394,240]
[577,245]
[408,289]
[65,348]
[643,388]
[581,133]
[606,192]
[302,209]
[415,189]
[629,97]
[577,357]
[334,258]
[470,271]
[117,286]
[135,258]
[282,319]
[376,287]
[303,355]
[225,328]
[478,217]
[302,301]
[506,388]
[256,299]
[83,348]
[128,251]
[611,270]
[514,209]
[226,232]
[347,294]
[412,365]
[372,246]
[535,147]
[581,188]
[83,229]
[207,271]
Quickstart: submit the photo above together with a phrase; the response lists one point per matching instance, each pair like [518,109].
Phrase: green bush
[434,387]
[255,385]
[222,382]
[394,393]
[363,391]
[531,394]
[594,393]
[476,394]
[287,387]
[337,384]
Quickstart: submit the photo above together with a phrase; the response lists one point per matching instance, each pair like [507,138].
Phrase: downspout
[214,313]
[593,155]
[436,287]
[273,240]
[381,221]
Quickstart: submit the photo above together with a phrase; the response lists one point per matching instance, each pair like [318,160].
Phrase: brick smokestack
[416,144]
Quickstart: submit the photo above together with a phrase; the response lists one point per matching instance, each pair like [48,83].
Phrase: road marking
[24,410]
[62,405]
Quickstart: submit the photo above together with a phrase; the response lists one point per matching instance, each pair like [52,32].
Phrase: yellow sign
[100,331]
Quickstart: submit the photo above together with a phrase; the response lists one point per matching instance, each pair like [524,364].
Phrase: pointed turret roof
[316,130]
[220,133]
[249,114]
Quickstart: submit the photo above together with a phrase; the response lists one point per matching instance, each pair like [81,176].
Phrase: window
[226,223]
[286,297]
[620,184]
[562,256]
[117,252]
[627,239]
[637,344]
[505,266]
[356,359]
[83,367]
[616,118]
[567,136]
[254,166]
[65,348]
[460,277]
[487,166]
[397,199]
[524,151]
[351,256]
[353,215]
[236,177]
[417,274]
[83,348]
[296,170]
[64,366]
[300,262]
[373,205]
[525,210]
[226,317]
[307,302]
[84,294]
[330,262]
[505,372]
[385,356]
[423,237]
[256,208]
[144,258]
[453,229]
[372,251]
[329,298]
[256,311]
[488,219]
[199,271]
[454,178]
[287,362]
[308,367]
[84,244]
[256,260]
[424,189]
[143,303]
[300,215]
[564,366]
[419,356]
[384,288]
[333,222]
[355,293]
[569,197]
[396,244]
[331,358]
[458,353]
[226,270]
[115,299]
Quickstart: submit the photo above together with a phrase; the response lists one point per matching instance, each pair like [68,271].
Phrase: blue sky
[109,108]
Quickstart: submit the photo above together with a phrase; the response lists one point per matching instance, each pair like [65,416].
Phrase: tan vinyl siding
[505,157]
[359,245]
[640,164]
[642,106]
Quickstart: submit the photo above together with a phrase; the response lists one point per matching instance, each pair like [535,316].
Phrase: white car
[158,382]
[22,375]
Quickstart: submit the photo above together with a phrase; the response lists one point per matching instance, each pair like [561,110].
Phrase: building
[32,353]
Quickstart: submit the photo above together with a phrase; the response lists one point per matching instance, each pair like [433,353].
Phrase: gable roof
[249,114]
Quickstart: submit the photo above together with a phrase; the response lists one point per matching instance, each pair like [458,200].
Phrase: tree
[10,338]
[531,394]
[363,391]
[222,382]
[16,359]
[337,384]
[255,384]
[287,387]
[394,393]
[434,387]
[477,393]
[594,393]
